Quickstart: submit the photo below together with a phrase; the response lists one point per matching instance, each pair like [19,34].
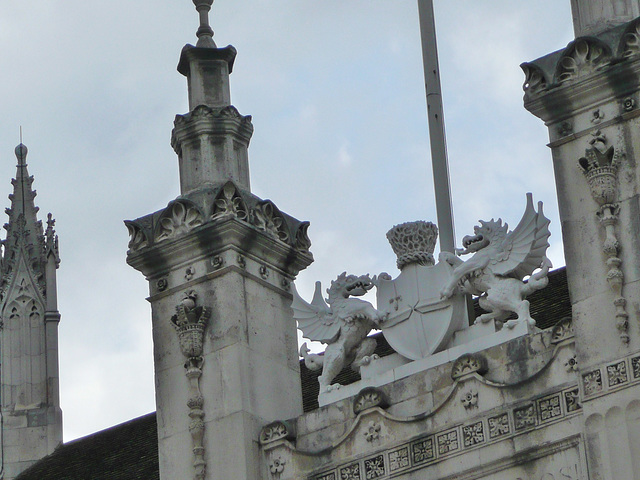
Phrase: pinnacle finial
[204,33]
[21,154]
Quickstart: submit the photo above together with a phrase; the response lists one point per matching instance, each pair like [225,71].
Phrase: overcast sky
[337,97]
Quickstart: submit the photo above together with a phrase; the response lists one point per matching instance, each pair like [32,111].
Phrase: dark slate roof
[129,451]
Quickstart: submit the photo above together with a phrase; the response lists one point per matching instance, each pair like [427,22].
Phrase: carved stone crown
[600,169]
[413,242]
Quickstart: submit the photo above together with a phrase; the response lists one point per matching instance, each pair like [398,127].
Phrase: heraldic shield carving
[418,321]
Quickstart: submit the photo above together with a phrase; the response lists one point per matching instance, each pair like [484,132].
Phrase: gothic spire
[24,230]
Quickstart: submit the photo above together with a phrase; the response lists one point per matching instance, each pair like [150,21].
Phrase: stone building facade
[502,399]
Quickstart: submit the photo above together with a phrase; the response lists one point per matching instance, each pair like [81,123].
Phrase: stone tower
[31,415]
[588,95]
[220,262]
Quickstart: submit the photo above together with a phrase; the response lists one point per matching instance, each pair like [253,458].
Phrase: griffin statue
[500,262]
[342,322]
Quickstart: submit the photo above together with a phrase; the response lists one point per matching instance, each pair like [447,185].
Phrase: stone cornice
[212,238]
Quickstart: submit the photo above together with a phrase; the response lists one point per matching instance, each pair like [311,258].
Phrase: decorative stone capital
[413,242]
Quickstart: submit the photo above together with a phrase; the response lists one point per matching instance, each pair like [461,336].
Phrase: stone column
[594,16]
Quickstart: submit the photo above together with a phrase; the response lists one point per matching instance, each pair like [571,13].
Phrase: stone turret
[220,262]
[31,415]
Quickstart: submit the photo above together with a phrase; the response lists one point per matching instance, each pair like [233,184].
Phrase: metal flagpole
[435,112]
[436,126]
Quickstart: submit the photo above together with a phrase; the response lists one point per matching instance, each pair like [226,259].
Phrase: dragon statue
[342,322]
[500,262]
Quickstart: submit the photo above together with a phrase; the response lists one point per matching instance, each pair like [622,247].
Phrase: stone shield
[420,323]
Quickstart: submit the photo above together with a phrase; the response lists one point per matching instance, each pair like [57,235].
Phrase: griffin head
[485,234]
[350,285]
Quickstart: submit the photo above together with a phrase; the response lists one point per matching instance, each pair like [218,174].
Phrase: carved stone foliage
[229,203]
[600,167]
[268,218]
[467,364]
[631,41]
[413,242]
[190,322]
[535,81]
[469,400]
[582,58]
[368,398]
[178,219]
[276,431]
[303,243]
[563,330]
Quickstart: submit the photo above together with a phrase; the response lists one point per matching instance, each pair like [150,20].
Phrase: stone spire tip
[21,154]
[205,32]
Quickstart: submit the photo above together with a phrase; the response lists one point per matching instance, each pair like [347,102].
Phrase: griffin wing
[525,247]
[315,319]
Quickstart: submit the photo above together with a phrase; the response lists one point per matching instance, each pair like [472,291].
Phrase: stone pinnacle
[204,33]
[21,154]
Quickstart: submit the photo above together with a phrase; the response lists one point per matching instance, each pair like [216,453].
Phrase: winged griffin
[342,322]
[500,262]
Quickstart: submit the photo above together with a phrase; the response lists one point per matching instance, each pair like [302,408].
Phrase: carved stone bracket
[368,398]
[467,364]
[600,167]
[190,323]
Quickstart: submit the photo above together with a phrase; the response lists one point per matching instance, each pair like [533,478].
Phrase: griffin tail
[312,361]
[539,279]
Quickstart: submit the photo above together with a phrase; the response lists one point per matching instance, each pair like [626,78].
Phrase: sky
[336,92]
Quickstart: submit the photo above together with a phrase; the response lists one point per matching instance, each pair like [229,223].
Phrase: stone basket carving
[413,242]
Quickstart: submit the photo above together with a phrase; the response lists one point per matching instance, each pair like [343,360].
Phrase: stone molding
[435,446]
[610,376]
[210,240]
[190,323]
[216,206]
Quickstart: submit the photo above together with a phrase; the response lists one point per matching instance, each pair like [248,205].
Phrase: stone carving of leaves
[499,425]
[137,239]
[473,434]
[303,243]
[534,79]
[181,219]
[617,373]
[229,203]
[277,466]
[374,467]
[470,399]
[268,218]
[562,330]
[584,58]
[350,472]
[631,41]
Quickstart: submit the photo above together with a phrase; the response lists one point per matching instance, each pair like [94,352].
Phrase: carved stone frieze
[229,203]
[368,398]
[467,364]
[413,242]
[584,57]
[190,323]
[178,219]
[600,167]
